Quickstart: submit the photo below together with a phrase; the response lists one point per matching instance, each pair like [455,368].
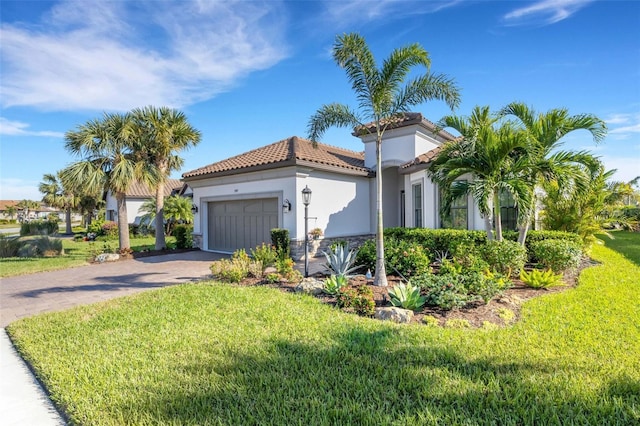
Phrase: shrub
[366,256]
[444,291]
[334,284]
[407,297]
[540,279]
[431,321]
[406,258]
[109,229]
[230,270]
[41,247]
[558,255]
[437,240]
[485,285]
[95,227]
[281,241]
[359,299]
[9,246]
[505,257]
[272,278]
[469,257]
[38,227]
[184,236]
[341,261]
[265,254]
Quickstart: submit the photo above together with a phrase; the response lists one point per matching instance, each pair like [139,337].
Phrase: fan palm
[547,161]
[162,133]
[56,194]
[383,98]
[492,154]
[108,162]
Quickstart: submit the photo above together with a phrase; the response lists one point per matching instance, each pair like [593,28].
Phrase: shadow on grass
[368,378]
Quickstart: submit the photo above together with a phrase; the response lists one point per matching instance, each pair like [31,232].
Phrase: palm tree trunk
[381,271]
[160,240]
[67,218]
[488,221]
[498,224]
[123,224]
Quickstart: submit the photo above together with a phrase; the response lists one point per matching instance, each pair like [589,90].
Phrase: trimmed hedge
[184,236]
[559,255]
[437,240]
[39,227]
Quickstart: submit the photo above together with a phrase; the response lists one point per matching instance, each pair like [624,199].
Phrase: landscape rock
[107,257]
[310,286]
[399,315]
[269,270]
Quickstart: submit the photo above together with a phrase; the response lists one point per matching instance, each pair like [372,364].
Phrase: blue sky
[251,73]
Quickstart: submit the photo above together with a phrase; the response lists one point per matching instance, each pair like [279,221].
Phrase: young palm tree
[56,194]
[162,133]
[383,98]
[547,161]
[492,155]
[108,162]
[27,205]
[177,209]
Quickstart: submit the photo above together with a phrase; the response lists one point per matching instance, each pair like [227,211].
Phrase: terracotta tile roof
[421,162]
[287,152]
[409,119]
[140,190]
[6,203]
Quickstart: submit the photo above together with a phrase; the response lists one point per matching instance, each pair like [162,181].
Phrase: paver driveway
[28,295]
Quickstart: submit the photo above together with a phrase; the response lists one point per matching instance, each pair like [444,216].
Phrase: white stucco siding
[133,208]
[340,205]
[399,146]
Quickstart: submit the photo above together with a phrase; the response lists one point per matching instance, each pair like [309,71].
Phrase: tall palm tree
[492,155]
[162,133]
[56,194]
[548,162]
[108,162]
[383,96]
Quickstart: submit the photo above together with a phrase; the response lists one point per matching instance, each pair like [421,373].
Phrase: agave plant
[334,284]
[341,261]
[407,297]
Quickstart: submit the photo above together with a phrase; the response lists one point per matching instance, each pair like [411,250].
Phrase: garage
[241,223]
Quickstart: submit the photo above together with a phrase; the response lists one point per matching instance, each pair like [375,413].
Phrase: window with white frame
[416,190]
[458,216]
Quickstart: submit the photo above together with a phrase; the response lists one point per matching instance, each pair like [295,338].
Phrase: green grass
[77,253]
[207,353]
[625,242]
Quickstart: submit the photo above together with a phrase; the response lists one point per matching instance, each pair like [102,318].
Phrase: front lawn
[220,354]
[76,253]
[625,242]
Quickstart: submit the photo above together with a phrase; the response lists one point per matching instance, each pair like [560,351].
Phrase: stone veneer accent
[316,247]
[197,241]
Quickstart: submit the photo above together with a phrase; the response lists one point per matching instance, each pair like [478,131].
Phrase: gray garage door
[241,223]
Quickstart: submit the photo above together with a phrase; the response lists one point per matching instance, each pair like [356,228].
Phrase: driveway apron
[27,295]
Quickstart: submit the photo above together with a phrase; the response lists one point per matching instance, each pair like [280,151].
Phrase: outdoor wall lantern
[194,208]
[286,206]
[306,200]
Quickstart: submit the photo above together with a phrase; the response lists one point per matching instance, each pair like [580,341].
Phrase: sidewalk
[23,401]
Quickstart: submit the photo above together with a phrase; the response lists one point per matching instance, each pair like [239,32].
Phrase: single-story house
[240,199]
[136,195]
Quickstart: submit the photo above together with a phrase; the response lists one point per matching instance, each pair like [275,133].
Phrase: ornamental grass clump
[407,297]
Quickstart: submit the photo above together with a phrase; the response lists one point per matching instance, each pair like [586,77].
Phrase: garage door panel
[241,223]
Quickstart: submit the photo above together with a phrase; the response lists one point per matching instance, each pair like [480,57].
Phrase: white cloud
[119,55]
[346,13]
[18,128]
[18,189]
[545,12]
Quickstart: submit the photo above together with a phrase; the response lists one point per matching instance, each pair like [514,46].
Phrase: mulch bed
[476,313]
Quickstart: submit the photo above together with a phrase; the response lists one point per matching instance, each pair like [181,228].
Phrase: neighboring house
[242,198]
[136,195]
[4,205]
[41,212]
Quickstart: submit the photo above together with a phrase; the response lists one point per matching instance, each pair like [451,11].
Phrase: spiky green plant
[407,297]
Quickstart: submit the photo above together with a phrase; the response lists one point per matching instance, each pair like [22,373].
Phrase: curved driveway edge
[28,295]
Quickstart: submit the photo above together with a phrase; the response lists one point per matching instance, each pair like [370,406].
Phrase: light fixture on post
[194,208]
[286,206]
[306,200]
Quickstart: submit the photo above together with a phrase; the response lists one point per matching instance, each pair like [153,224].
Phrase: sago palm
[547,161]
[161,134]
[492,155]
[383,95]
[108,162]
